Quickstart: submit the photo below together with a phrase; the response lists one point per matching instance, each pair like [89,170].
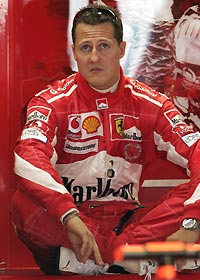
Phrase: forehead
[85,32]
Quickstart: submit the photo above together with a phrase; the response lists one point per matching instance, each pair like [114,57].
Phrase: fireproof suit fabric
[41,233]
[80,145]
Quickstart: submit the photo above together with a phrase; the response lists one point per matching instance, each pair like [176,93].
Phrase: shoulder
[58,89]
[145,93]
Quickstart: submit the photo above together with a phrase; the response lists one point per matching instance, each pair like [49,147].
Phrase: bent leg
[150,224]
[42,235]
[155,223]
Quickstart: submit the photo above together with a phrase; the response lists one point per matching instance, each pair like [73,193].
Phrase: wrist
[69,216]
[191,224]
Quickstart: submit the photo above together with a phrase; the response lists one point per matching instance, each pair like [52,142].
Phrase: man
[84,152]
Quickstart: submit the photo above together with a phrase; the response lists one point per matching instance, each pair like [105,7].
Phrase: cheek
[113,59]
[81,61]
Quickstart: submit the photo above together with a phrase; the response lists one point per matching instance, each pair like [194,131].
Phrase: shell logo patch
[91,124]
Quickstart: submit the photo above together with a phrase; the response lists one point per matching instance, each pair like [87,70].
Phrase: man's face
[98,54]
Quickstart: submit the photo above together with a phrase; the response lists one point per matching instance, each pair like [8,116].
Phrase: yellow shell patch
[91,124]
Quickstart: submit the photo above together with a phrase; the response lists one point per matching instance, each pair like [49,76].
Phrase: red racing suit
[81,145]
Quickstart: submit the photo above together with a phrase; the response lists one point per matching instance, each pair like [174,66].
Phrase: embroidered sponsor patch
[81,147]
[132,151]
[38,113]
[83,126]
[133,134]
[102,104]
[174,117]
[143,88]
[191,138]
[91,124]
[124,127]
[33,133]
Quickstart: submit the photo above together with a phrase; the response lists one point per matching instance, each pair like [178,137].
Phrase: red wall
[4,132]
[32,54]
[9,128]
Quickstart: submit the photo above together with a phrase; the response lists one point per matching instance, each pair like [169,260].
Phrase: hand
[83,241]
[184,235]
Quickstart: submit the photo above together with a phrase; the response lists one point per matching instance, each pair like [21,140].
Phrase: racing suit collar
[111,89]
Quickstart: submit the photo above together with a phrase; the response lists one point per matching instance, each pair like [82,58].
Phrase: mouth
[96,70]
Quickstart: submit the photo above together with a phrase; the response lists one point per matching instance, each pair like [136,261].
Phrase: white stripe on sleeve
[28,171]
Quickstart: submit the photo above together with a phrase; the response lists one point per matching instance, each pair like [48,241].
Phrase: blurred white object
[187,37]
[148,32]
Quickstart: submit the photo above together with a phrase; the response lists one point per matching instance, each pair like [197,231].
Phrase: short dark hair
[95,14]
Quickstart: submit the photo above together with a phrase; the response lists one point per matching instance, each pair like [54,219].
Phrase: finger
[77,251]
[97,256]
[87,248]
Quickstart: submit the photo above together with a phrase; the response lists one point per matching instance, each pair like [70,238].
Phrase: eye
[104,46]
[85,48]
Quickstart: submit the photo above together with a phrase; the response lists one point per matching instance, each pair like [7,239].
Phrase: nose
[94,55]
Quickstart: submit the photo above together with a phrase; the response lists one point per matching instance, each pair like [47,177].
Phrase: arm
[35,158]
[182,145]
[187,236]
[184,235]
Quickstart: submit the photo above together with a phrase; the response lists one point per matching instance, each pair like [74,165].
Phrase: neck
[110,89]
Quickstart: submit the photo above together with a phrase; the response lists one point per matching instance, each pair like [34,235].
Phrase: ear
[122,49]
[73,50]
